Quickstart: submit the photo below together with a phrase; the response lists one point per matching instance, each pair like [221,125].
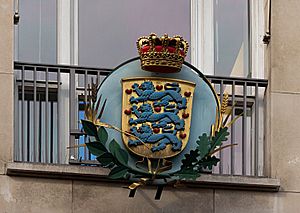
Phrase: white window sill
[89,173]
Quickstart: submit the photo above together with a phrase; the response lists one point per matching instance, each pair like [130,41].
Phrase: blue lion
[145,114]
[145,133]
[146,92]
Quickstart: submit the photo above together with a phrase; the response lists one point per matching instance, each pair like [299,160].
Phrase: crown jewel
[164,54]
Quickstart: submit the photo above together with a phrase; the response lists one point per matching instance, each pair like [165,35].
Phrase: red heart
[182,135]
[156,130]
[128,91]
[127,111]
[157,109]
[159,87]
[187,94]
[185,115]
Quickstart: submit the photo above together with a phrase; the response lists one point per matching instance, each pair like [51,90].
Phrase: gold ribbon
[165,165]
[135,185]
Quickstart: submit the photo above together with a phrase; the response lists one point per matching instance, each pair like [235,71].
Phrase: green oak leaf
[118,172]
[203,145]
[96,148]
[102,135]
[209,162]
[89,128]
[219,137]
[190,159]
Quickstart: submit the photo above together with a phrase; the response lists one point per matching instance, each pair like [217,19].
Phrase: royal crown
[162,54]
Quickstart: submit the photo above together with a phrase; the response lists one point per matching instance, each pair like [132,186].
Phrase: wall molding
[88,173]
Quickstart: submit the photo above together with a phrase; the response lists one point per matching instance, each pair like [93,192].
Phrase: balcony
[49,103]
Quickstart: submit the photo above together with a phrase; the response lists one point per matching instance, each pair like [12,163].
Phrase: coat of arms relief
[158,112]
[156,118]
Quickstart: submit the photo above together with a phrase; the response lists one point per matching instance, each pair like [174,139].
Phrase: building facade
[36,187]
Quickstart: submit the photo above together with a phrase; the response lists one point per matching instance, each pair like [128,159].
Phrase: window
[35,35]
[232,38]
[227,37]
[108,30]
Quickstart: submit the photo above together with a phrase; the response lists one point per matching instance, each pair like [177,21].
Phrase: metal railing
[246,97]
[49,102]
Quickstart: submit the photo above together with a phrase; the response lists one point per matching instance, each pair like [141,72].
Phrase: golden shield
[156,114]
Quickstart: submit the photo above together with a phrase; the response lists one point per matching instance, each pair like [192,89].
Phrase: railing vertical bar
[256,131]
[244,130]
[98,78]
[17,121]
[72,104]
[35,143]
[232,150]
[58,116]
[22,145]
[28,130]
[52,131]
[46,116]
[40,130]
[220,153]
[85,101]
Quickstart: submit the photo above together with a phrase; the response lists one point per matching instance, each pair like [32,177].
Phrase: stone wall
[35,195]
[6,82]
[284,96]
